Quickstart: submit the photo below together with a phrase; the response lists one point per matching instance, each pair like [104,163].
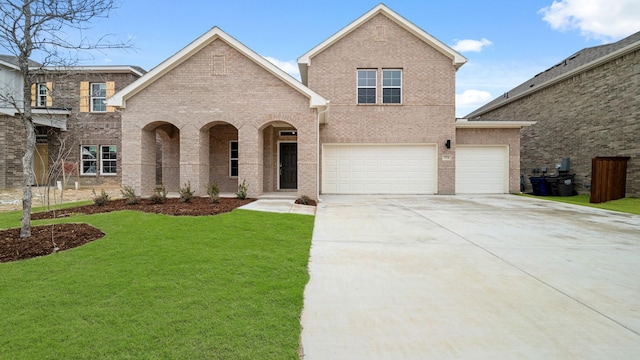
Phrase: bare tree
[46,28]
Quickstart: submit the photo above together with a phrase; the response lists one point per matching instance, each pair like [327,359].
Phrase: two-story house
[585,106]
[374,114]
[67,103]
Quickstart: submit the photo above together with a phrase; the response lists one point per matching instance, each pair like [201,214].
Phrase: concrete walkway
[471,277]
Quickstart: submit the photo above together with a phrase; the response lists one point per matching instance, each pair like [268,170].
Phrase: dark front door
[288,165]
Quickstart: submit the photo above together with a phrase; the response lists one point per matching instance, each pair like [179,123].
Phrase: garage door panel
[481,169]
[379,169]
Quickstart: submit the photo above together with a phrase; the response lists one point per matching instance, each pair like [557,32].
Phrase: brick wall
[427,111]
[83,128]
[219,85]
[594,113]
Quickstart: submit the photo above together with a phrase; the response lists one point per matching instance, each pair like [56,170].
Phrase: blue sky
[505,41]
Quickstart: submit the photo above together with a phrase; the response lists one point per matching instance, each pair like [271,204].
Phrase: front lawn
[213,287]
[627,205]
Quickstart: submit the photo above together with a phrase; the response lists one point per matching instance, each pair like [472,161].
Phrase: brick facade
[426,115]
[592,113]
[214,96]
[83,128]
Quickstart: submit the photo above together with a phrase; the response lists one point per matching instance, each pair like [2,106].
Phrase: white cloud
[473,98]
[471,45]
[599,19]
[290,67]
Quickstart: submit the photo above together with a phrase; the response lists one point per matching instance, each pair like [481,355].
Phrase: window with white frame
[108,159]
[367,83]
[233,158]
[89,159]
[392,86]
[41,96]
[98,97]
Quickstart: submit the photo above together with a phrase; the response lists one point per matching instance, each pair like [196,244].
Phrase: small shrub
[130,195]
[159,195]
[100,200]
[242,190]
[305,200]
[186,194]
[213,191]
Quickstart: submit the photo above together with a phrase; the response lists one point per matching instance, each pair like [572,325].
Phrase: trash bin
[566,185]
[552,185]
[539,186]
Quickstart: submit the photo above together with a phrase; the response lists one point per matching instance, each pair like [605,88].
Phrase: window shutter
[111,89]
[33,95]
[49,90]
[84,96]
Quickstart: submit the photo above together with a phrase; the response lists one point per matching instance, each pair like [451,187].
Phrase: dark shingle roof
[573,62]
[13,60]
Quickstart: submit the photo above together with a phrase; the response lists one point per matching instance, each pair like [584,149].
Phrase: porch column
[194,159]
[250,160]
[307,160]
[171,162]
[138,159]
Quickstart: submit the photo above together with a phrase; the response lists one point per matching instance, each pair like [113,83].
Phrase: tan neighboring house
[66,102]
[374,114]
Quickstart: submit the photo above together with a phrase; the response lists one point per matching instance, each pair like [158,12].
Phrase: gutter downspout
[318,154]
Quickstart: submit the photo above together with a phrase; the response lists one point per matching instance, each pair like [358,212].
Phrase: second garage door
[482,169]
[379,169]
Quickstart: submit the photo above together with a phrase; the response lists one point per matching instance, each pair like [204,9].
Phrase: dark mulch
[68,236]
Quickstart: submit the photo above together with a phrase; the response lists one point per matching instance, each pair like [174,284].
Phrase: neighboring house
[374,114]
[586,106]
[66,102]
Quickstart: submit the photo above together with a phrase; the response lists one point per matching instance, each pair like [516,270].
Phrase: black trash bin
[566,185]
[552,185]
[539,186]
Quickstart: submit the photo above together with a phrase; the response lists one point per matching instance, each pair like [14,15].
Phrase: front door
[288,165]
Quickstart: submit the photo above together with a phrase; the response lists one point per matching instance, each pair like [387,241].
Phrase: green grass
[627,205]
[159,287]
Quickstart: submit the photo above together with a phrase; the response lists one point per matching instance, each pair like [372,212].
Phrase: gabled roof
[304,61]
[581,61]
[120,98]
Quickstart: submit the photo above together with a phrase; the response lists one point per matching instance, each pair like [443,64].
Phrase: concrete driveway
[471,277]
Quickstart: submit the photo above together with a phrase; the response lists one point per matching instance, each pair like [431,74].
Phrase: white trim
[304,61]
[465,124]
[120,98]
[117,69]
[278,163]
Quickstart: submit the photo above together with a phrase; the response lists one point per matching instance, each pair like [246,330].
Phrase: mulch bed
[68,236]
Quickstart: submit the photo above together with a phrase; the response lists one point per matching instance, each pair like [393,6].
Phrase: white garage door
[482,170]
[379,169]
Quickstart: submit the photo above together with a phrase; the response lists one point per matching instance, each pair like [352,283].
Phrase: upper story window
[367,84]
[41,98]
[392,86]
[41,95]
[98,97]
